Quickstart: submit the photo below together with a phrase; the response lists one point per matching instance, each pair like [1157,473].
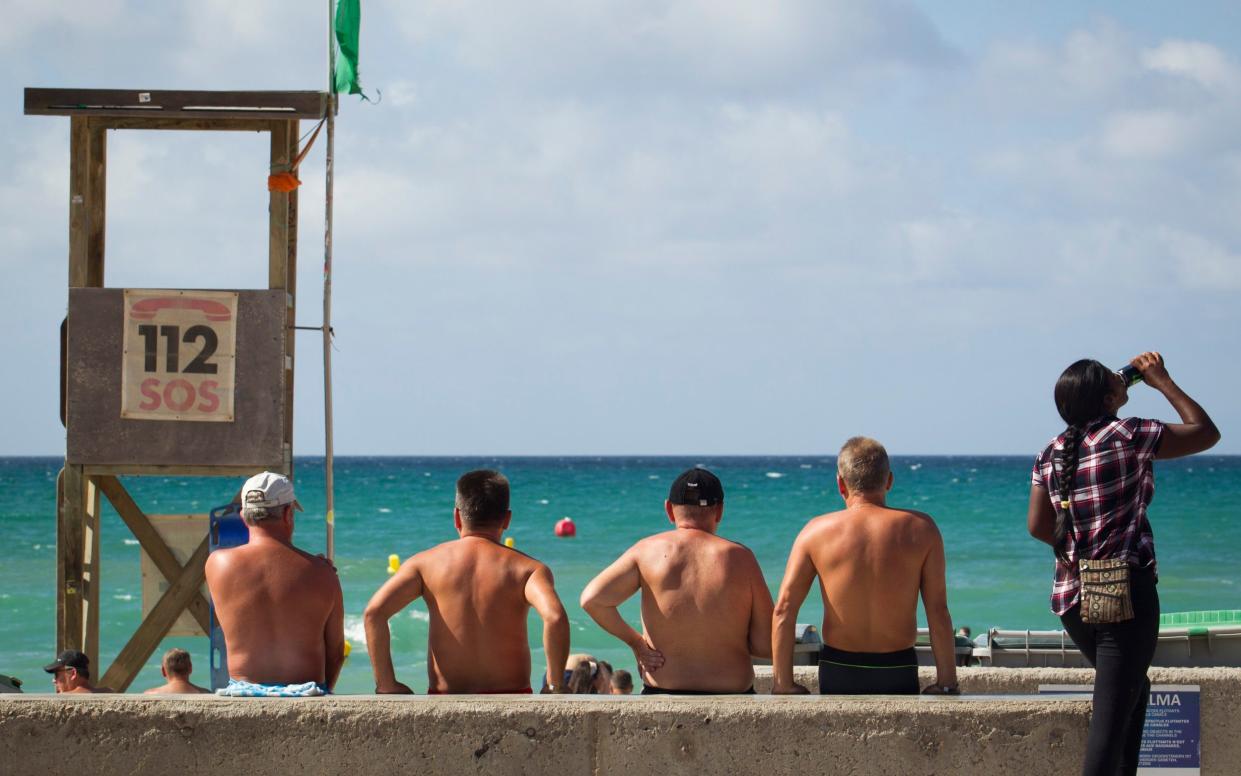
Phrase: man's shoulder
[823,522]
[919,526]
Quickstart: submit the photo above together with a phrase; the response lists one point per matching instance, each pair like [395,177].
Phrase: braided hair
[1081,395]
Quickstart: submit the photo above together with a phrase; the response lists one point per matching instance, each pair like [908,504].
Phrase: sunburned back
[696,606]
[869,560]
[475,593]
[273,603]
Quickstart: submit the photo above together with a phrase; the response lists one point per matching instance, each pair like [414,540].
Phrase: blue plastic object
[227,529]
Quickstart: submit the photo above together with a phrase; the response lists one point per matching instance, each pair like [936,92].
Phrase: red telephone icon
[146,309]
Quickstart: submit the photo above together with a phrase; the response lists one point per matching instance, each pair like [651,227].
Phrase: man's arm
[605,593]
[799,574]
[761,611]
[541,594]
[334,636]
[938,620]
[392,597]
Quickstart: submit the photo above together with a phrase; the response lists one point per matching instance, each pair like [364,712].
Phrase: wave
[355,629]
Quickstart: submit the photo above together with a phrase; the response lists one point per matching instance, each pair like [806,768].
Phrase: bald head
[863,465]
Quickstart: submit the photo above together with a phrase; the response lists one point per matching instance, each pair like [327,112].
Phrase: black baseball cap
[70,658]
[696,487]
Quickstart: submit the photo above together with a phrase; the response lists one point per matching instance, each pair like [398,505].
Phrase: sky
[670,227]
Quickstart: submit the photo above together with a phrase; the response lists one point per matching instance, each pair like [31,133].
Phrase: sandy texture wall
[993,732]
[1221,697]
[543,735]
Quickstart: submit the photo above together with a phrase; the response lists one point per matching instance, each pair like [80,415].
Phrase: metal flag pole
[327,283]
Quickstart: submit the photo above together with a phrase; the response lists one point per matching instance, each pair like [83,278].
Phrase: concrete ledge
[633,736]
[189,735]
[1221,697]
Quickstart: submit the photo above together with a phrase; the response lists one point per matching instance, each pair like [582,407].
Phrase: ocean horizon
[997,575]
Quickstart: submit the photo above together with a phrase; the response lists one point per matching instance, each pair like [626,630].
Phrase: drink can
[1130,374]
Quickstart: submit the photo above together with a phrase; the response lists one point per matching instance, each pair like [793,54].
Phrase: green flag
[348,24]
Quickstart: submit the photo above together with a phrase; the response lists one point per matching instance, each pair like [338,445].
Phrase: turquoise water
[997,575]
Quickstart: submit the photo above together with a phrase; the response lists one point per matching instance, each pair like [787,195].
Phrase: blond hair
[863,465]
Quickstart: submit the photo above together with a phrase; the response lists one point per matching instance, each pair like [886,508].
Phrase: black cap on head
[70,658]
[696,487]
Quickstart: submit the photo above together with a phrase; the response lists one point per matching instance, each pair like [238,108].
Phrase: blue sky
[673,226]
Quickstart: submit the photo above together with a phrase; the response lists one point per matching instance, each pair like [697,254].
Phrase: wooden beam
[195,124]
[158,621]
[69,561]
[60,562]
[278,210]
[96,201]
[290,338]
[153,543]
[79,193]
[168,470]
[92,566]
[197,104]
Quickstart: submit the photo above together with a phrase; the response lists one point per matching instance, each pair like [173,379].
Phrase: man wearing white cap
[280,608]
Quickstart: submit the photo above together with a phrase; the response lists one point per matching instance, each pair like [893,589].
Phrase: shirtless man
[478,593]
[706,609]
[176,668]
[71,673]
[872,562]
[280,608]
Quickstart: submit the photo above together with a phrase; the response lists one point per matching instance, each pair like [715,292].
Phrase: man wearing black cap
[71,673]
[706,609]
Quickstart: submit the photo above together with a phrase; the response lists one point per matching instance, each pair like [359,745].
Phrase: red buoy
[565,528]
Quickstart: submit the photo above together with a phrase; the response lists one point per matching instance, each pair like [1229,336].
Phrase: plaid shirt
[1115,481]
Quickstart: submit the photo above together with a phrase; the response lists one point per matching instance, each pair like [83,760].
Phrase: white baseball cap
[268,489]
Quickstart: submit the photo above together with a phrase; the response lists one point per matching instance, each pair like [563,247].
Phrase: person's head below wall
[590,677]
[863,467]
[266,499]
[177,664]
[696,498]
[483,500]
[70,671]
[622,682]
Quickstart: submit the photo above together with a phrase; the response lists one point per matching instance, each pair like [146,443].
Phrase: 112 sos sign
[179,355]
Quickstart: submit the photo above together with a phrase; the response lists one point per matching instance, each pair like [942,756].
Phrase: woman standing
[1091,486]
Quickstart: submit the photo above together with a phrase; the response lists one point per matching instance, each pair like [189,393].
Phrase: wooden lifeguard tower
[165,381]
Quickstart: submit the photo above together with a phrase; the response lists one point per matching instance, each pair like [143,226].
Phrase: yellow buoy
[394,563]
[508,541]
[348,648]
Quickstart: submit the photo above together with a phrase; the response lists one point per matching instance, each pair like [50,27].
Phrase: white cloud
[1146,134]
[831,178]
[1199,263]
[26,20]
[681,46]
[1195,60]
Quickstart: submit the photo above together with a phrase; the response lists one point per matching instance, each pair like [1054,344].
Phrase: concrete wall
[1221,697]
[767,736]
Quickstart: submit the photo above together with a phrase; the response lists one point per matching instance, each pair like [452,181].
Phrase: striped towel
[239,688]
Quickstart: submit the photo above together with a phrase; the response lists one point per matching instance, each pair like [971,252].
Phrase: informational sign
[182,534]
[1172,736]
[180,352]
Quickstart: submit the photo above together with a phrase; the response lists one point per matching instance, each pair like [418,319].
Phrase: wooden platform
[144,109]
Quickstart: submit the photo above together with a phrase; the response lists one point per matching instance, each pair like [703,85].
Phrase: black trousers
[1120,653]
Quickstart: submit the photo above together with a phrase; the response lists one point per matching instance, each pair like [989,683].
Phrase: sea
[997,575]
